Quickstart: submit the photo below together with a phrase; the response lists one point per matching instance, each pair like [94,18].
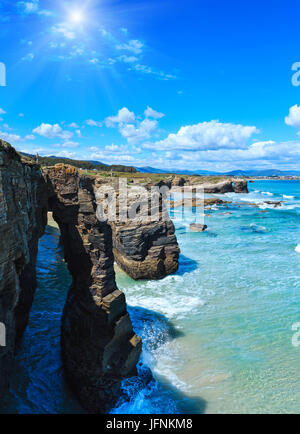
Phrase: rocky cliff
[220,187]
[23,216]
[144,240]
[99,346]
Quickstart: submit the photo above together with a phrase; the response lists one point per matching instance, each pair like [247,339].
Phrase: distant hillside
[81,164]
[267,172]
[149,169]
[246,173]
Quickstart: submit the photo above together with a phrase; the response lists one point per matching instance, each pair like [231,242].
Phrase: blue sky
[203,84]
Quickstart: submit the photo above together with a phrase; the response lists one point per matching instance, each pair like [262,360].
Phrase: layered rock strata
[144,240]
[222,187]
[23,217]
[99,346]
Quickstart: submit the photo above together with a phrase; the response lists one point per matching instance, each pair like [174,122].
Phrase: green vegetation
[80,164]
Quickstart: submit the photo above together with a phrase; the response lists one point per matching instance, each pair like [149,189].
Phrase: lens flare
[76,16]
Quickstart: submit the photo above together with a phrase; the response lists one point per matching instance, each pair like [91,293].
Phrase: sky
[194,85]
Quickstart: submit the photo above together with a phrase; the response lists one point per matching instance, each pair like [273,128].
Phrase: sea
[220,335]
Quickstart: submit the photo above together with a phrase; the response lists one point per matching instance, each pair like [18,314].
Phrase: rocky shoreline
[99,347]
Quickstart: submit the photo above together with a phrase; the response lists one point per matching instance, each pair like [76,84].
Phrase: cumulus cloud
[206,135]
[2,112]
[137,134]
[130,126]
[150,113]
[293,119]
[92,123]
[52,131]
[116,149]
[10,138]
[123,116]
[134,45]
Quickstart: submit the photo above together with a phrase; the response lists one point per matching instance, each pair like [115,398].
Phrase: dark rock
[99,346]
[240,186]
[143,248]
[23,217]
[196,227]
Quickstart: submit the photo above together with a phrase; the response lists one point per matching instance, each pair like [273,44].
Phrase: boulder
[196,227]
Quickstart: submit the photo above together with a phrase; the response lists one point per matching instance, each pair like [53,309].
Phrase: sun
[76,16]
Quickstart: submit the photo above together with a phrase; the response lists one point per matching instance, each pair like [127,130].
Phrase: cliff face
[145,245]
[23,216]
[99,347]
[226,186]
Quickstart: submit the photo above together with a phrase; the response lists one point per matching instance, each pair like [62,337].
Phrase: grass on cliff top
[153,178]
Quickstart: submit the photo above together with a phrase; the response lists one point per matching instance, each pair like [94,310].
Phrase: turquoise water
[217,334]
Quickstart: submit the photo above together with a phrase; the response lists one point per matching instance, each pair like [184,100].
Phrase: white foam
[297,249]
[267,193]
[288,197]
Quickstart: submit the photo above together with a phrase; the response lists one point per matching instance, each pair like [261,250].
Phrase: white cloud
[29,7]
[150,113]
[134,134]
[116,149]
[2,112]
[64,29]
[207,135]
[10,138]
[148,70]
[92,123]
[134,45]
[123,116]
[293,119]
[30,137]
[52,131]
[66,154]
[21,115]
[128,59]
[73,125]
[94,61]
[28,57]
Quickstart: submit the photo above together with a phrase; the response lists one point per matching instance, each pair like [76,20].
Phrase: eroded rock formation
[99,346]
[23,217]
[220,187]
[145,244]
[240,186]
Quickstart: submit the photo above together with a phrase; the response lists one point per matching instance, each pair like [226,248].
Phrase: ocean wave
[297,249]
[285,196]
[268,193]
